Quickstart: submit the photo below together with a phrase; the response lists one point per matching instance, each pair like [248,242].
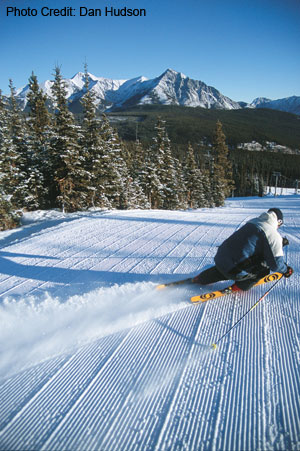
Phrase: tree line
[50,160]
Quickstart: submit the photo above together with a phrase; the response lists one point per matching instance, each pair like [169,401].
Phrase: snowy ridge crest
[289,104]
[170,88]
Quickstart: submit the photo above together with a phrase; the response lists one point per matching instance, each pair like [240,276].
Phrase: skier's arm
[279,266]
[275,263]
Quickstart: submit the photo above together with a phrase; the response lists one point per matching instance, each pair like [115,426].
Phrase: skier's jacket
[256,244]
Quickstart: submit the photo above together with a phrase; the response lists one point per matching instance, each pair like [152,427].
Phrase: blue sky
[244,48]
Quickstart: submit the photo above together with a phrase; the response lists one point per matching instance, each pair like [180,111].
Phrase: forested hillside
[50,160]
[194,124]
[150,157]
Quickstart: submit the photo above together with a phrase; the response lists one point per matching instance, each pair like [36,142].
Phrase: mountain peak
[78,75]
[172,72]
[78,79]
[288,104]
[260,100]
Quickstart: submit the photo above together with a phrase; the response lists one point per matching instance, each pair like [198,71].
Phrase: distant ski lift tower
[276,175]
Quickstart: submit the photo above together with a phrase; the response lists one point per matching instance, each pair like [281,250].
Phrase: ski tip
[161,287]
[214,346]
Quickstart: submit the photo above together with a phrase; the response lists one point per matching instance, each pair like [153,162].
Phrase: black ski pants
[245,282]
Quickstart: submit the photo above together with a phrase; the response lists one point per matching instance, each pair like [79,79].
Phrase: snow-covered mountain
[288,104]
[170,88]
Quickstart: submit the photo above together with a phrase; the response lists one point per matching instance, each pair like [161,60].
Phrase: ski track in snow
[93,358]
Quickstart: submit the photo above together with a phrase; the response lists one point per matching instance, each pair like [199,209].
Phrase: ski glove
[285,241]
[288,272]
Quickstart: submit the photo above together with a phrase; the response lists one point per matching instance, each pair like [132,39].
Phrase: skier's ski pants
[244,282]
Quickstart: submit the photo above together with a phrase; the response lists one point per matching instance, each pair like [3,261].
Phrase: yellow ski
[173,284]
[228,290]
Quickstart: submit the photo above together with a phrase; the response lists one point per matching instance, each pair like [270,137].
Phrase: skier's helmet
[279,215]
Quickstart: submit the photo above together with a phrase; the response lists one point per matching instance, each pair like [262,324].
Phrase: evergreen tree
[134,155]
[18,158]
[180,185]
[134,196]
[158,159]
[67,162]
[109,183]
[194,180]
[8,217]
[170,174]
[136,159]
[149,180]
[150,183]
[160,176]
[39,142]
[39,118]
[92,148]
[208,189]
[161,173]
[222,182]
[6,155]
[113,168]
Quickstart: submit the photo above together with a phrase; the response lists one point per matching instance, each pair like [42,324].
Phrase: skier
[250,253]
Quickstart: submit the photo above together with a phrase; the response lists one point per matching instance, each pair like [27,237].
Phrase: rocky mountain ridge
[170,88]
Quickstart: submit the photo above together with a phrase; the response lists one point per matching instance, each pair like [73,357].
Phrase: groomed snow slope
[93,358]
